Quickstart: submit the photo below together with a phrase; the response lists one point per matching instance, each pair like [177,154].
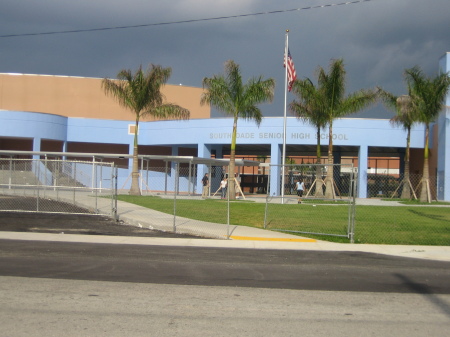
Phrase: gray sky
[377,39]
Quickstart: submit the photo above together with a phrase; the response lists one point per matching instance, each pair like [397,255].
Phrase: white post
[283,156]
[93,173]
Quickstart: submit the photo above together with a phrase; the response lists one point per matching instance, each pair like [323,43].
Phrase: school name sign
[276,135]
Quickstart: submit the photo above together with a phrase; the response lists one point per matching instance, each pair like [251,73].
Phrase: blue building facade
[443,136]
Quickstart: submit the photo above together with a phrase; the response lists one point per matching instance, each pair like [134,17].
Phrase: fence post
[93,173]
[95,186]
[140,175]
[59,166]
[175,199]
[266,210]
[165,177]
[353,207]
[37,185]
[10,173]
[100,180]
[190,178]
[45,174]
[114,174]
[146,176]
[228,213]
[74,180]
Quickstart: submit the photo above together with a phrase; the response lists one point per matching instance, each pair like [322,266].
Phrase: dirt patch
[26,219]
[75,224]
[18,214]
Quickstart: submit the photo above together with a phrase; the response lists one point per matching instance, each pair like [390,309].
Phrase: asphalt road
[79,289]
[82,289]
[300,270]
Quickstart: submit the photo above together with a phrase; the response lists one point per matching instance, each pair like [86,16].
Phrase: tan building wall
[82,97]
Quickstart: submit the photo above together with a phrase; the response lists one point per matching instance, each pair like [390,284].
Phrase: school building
[72,114]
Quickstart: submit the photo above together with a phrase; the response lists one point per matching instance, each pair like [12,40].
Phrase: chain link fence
[388,186]
[318,200]
[57,186]
[329,209]
[397,217]
[391,222]
[172,200]
[166,202]
[182,178]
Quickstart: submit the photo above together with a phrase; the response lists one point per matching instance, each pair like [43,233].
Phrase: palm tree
[337,105]
[141,93]
[229,95]
[406,117]
[309,108]
[427,96]
[332,103]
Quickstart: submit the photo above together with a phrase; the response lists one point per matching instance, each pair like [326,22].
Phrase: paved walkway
[252,241]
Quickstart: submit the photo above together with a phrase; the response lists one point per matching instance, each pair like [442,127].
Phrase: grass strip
[407,225]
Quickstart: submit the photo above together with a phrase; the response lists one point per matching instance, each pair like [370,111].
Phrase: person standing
[205,182]
[300,185]
[223,187]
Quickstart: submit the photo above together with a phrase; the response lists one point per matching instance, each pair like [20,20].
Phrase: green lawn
[409,225]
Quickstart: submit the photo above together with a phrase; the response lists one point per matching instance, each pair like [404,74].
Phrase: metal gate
[58,186]
[326,206]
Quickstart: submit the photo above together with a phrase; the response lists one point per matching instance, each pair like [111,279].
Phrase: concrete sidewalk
[422,252]
[239,236]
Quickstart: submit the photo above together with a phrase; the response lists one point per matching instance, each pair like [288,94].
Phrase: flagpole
[283,156]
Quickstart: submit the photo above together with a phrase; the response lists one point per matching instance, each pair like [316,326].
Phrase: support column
[363,158]
[36,147]
[204,151]
[174,182]
[275,169]
[443,169]
[173,164]
[64,149]
[130,166]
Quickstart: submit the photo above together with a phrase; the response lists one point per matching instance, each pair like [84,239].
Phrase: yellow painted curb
[270,239]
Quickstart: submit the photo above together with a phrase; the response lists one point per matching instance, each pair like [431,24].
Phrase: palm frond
[252,113]
[309,106]
[389,99]
[427,93]
[227,93]
[141,92]
[355,102]
[169,111]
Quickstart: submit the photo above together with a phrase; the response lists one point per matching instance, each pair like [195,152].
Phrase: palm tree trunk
[329,188]
[319,181]
[231,167]
[406,189]
[135,190]
[425,195]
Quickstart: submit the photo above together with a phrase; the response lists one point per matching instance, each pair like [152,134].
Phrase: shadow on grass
[428,216]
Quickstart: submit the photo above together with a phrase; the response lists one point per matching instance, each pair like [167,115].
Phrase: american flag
[291,74]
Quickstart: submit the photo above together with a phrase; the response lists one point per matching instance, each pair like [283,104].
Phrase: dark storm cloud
[377,39]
